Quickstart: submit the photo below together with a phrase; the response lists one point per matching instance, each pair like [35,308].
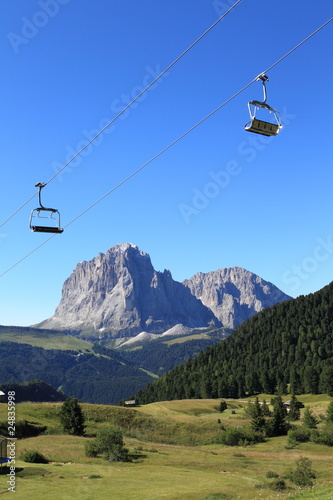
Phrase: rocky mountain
[119,294]
[234,294]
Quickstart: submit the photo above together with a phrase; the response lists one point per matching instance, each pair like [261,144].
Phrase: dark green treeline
[289,343]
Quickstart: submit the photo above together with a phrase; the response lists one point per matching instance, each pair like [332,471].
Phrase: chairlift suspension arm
[40,185]
[264,79]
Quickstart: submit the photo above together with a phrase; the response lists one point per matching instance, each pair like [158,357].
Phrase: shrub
[117,454]
[91,449]
[270,474]
[110,442]
[33,457]
[278,485]
[235,436]
[23,429]
[329,413]
[299,435]
[303,474]
[323,437]
[223,406]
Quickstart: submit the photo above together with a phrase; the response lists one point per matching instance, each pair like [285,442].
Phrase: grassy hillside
[175,456]
[48,339]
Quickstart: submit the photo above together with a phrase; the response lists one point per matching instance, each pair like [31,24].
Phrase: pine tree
[223,406]
[278,426]
[326,380]
[309,420]
[72,418]
[258,420]
[265,409]
[294,412]
[329,414]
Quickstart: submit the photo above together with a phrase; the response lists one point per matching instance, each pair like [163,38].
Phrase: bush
[299,435]
[323,437]
[91,449]
[33,457]
[278,485]
[235,436]
[303,474]
[223,406]
[23,429]
[110,442]
[270,474]
[329,413]
[117,454]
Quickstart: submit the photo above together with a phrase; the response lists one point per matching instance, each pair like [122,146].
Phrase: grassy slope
[45,339]
[162,470]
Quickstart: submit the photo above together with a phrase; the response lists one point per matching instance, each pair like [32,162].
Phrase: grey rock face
[120,294]
[234,294]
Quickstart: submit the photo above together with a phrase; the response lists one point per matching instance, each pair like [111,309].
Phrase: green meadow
[174,455]
[45,339]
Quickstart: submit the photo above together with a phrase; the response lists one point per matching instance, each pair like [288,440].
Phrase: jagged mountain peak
[119,293]
[234,294]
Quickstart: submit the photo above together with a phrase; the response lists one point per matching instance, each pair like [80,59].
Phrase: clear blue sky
[221,197]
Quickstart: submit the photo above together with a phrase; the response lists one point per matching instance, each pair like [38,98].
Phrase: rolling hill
[100,376]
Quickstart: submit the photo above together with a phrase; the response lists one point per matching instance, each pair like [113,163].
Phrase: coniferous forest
[285,348]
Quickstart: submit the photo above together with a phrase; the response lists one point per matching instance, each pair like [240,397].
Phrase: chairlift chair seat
[46,229]
[262,127]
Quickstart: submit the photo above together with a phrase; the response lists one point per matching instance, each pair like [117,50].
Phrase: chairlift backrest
[36,213]
[37,228]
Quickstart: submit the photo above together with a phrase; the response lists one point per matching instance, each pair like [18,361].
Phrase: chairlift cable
[17,210]
[127,106]
[168,147]
[298,45]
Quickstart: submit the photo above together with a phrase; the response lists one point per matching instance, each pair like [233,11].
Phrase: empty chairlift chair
[42,212]
[260,126]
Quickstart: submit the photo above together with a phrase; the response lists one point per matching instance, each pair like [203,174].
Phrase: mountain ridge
[120,294]
[234,294]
